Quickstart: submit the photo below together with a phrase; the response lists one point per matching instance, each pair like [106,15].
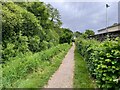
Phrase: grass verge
[42,75]
[21,71]
[81,76]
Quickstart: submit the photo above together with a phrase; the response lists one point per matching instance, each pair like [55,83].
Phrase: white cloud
[83,15]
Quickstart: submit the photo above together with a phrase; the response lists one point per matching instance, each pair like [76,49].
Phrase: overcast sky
[79,16]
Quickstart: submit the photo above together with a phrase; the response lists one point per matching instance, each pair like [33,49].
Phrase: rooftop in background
[114,27]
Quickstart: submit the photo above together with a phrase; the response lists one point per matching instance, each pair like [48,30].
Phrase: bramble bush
[103,60]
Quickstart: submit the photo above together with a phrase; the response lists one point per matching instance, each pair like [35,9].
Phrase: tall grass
[21,67]
[42,75]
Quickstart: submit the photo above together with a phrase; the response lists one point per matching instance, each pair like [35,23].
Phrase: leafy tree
[89,32]
[84,35]
[19,25]
[77,34]
[31,27]
[43,14]
[66,36]
[54,13]
[18,19]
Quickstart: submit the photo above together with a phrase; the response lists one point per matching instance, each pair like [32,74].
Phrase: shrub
[21,65]
[103,60]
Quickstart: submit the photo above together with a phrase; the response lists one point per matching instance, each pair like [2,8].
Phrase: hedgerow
[103,61]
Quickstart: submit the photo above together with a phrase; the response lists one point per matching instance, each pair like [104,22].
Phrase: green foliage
[44,13]
[54,15]
[81,73]
[20,66]
[84,36]
[30,34]
[27,27]
[18,19]
[102,60]
[19,26]
[43,73]
[39,9]
[66,37]
[77,34]
[89,32]
[35,44]
[1,77]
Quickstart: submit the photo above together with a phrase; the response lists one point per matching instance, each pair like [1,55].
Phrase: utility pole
[107,18]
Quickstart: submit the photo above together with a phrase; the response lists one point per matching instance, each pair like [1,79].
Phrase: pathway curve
[63,77]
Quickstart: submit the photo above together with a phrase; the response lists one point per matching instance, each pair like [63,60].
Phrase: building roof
[103,34]
[114,25]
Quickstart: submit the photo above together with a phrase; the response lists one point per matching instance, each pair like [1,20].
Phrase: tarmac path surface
[63,77]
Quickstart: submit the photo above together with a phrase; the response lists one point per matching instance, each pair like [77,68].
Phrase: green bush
[20,66]
[27,27]
[102,60]
[21,31]
[28,38]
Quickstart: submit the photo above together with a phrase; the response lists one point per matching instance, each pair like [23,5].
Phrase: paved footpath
[63,77]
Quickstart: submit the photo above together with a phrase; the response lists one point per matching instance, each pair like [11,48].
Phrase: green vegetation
[31,43]
[85,34]
[41,77]
[34,44]
[77,34]
[0,76]
[89,33]
[30,27]
[65,37]
[82,78]
[102,60]
[43,63]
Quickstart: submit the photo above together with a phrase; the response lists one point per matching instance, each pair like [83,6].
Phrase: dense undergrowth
[15,72]
[32,40]
[103,61]
[30,27]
